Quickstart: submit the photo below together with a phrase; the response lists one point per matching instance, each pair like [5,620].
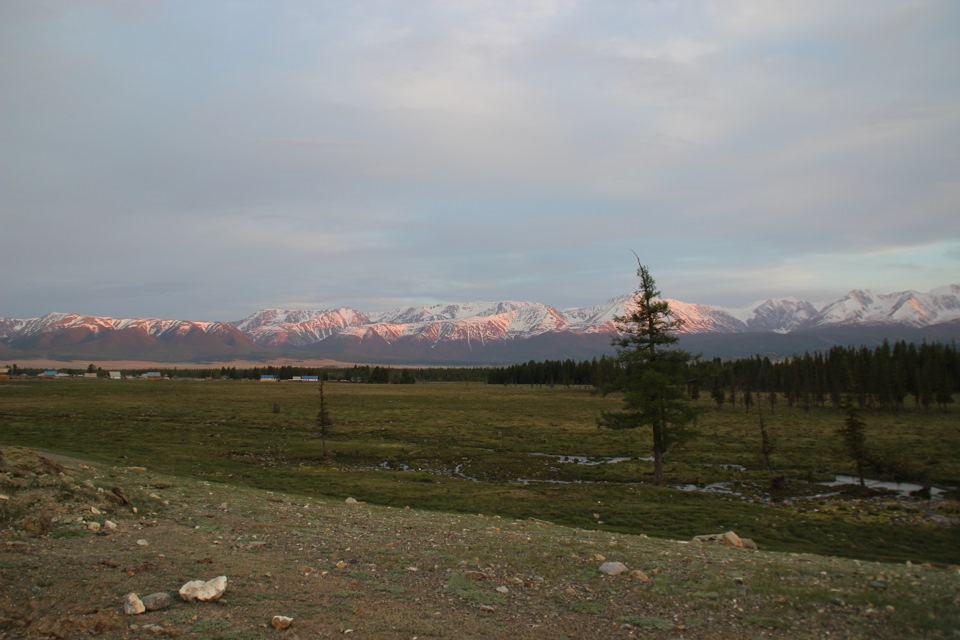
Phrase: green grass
[647,622]
[463,587]
[469,448]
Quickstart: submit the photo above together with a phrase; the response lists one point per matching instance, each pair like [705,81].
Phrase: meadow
[517,451]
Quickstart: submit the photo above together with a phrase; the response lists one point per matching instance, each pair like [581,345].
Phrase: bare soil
[351,569]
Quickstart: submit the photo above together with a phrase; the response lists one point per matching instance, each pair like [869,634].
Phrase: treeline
[886,377]
[356,373]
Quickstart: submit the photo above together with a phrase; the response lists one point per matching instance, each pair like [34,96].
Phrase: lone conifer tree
[654,372]
[854,436]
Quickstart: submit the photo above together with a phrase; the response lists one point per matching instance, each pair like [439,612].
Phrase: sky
[203,160]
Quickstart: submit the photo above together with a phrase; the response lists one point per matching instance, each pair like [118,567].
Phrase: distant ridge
[488,332]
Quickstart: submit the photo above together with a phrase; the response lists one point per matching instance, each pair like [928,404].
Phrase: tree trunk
[657,454]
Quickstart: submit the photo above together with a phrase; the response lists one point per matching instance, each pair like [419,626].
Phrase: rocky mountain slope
[489,332]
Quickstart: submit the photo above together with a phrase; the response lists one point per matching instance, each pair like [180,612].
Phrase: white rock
[281,622]
[132,605]
[613,568]
[109,524]
[204,591]
[350,501]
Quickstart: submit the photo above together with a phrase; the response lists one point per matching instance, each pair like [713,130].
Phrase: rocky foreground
[93,550]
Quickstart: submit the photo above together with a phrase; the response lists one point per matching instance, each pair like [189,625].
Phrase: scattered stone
[503,590]
[613,568]
[143,543]
[95,511]
[249,546]
[204,591]
[93,526]
[636,574]
[728,539]
[487,608]
[281,622]
[109,524]
[133,605]
[350,501]
[118,492]
[157,601]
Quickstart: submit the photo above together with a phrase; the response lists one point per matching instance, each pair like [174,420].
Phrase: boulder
[132,605]
[728,539]
[613,568]
[157,601]
[203,591]
[281,622]
[731,539]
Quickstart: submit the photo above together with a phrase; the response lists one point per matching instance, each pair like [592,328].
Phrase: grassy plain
[473,448]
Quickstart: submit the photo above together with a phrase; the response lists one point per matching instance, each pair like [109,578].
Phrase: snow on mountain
[696,318]
[700,318]
[11,326]
[911,308]
[482,322]
[98,324]
[478,322]
[472,326]
[277,327]
[781,315]
[598,318]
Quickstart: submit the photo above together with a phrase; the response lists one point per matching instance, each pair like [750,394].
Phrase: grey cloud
[453,151]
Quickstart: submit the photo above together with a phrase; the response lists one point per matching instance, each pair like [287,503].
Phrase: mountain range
[487,332]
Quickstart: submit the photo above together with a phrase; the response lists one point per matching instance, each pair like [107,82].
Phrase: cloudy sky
[202,160]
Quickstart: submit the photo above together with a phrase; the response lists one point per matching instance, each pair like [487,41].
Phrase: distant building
[267,378]
[90,375]
[116,375]
[49,374]
[310,378]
